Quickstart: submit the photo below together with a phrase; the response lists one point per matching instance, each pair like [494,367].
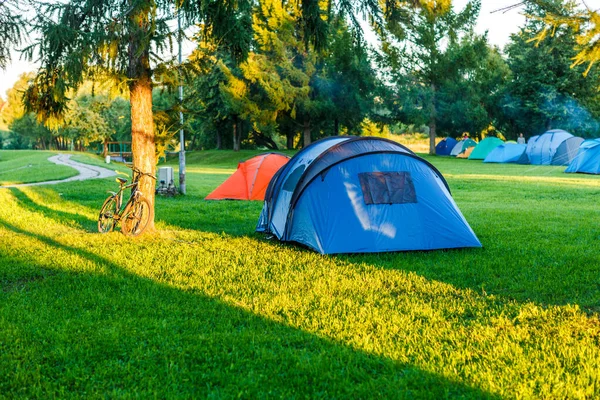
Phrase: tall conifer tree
[122,40]
[416,45]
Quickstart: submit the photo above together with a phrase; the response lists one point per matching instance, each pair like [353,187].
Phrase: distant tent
[462,146]
[466,153]
[508,153]
[511,141]
[484,147]
[555,147]
[250,180]
[587,159]
[363,194]
[444,148]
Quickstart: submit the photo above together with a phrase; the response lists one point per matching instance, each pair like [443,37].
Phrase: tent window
[387,187]
[293,178]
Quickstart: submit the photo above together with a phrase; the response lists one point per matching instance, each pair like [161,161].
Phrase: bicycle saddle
[121,181]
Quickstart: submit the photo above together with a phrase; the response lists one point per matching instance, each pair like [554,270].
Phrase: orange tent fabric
[466,153]
[251,179]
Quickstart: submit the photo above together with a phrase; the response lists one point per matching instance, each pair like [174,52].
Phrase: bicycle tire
[136,216]
[106,218]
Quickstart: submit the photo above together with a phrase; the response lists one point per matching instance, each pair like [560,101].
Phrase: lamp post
[181,137]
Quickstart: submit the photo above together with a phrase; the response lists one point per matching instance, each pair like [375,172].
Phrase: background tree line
[426,71]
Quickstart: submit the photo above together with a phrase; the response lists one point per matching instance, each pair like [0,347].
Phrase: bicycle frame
[135,179]
[119,196]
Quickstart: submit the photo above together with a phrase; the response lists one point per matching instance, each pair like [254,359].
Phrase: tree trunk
[236,135]
[105,148]
[219,141]
[306,132]
[143,146]
[289,140]
[336,127]
[262,140]
[432,122]
[142,137]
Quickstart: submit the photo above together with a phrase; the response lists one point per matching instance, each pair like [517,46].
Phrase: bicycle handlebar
[137,170]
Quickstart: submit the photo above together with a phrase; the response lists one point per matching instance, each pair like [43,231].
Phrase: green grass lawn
[206,308]
[26,166]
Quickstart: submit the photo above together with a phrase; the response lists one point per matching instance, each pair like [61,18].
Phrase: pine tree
[11,29]
[416,46]
[122,40]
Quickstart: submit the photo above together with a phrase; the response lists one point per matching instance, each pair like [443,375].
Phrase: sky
[499,26]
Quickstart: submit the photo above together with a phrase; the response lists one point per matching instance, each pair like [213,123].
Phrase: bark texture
[307,132]
[143,145]
[142,138]
[236,134]
[432,121]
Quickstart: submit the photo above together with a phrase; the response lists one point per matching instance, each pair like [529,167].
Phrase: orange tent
[466,153]
[251,179]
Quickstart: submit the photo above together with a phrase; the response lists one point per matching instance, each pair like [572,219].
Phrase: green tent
[484,148]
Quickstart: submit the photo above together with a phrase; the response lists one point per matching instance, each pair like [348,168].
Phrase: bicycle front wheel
[136,216]
[106,219]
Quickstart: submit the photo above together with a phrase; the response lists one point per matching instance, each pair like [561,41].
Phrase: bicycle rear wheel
[106,219]
[136,216]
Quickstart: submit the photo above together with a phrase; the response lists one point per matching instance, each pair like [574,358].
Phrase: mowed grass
[26,166]
[206,308]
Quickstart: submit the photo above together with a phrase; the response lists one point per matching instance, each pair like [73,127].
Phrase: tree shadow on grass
[118,334]
[63,217]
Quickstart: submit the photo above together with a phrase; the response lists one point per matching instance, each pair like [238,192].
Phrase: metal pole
[181,137]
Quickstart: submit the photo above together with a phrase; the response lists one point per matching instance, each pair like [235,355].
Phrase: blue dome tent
[359,195]
[508,153]
[555,147]
[587,159]
[444,147]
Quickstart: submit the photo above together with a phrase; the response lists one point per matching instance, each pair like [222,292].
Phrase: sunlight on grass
[211,171]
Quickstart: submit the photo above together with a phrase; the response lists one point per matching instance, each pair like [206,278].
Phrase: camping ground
[206,308]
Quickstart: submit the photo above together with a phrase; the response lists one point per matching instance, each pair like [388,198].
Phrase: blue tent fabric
[444,147]
[587,160]
[364,195]
[567,151]
[542,149]
[507,153]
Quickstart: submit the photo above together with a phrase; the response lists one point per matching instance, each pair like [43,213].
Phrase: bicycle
[136,213]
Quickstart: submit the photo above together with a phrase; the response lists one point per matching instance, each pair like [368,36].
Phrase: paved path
[85,171]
